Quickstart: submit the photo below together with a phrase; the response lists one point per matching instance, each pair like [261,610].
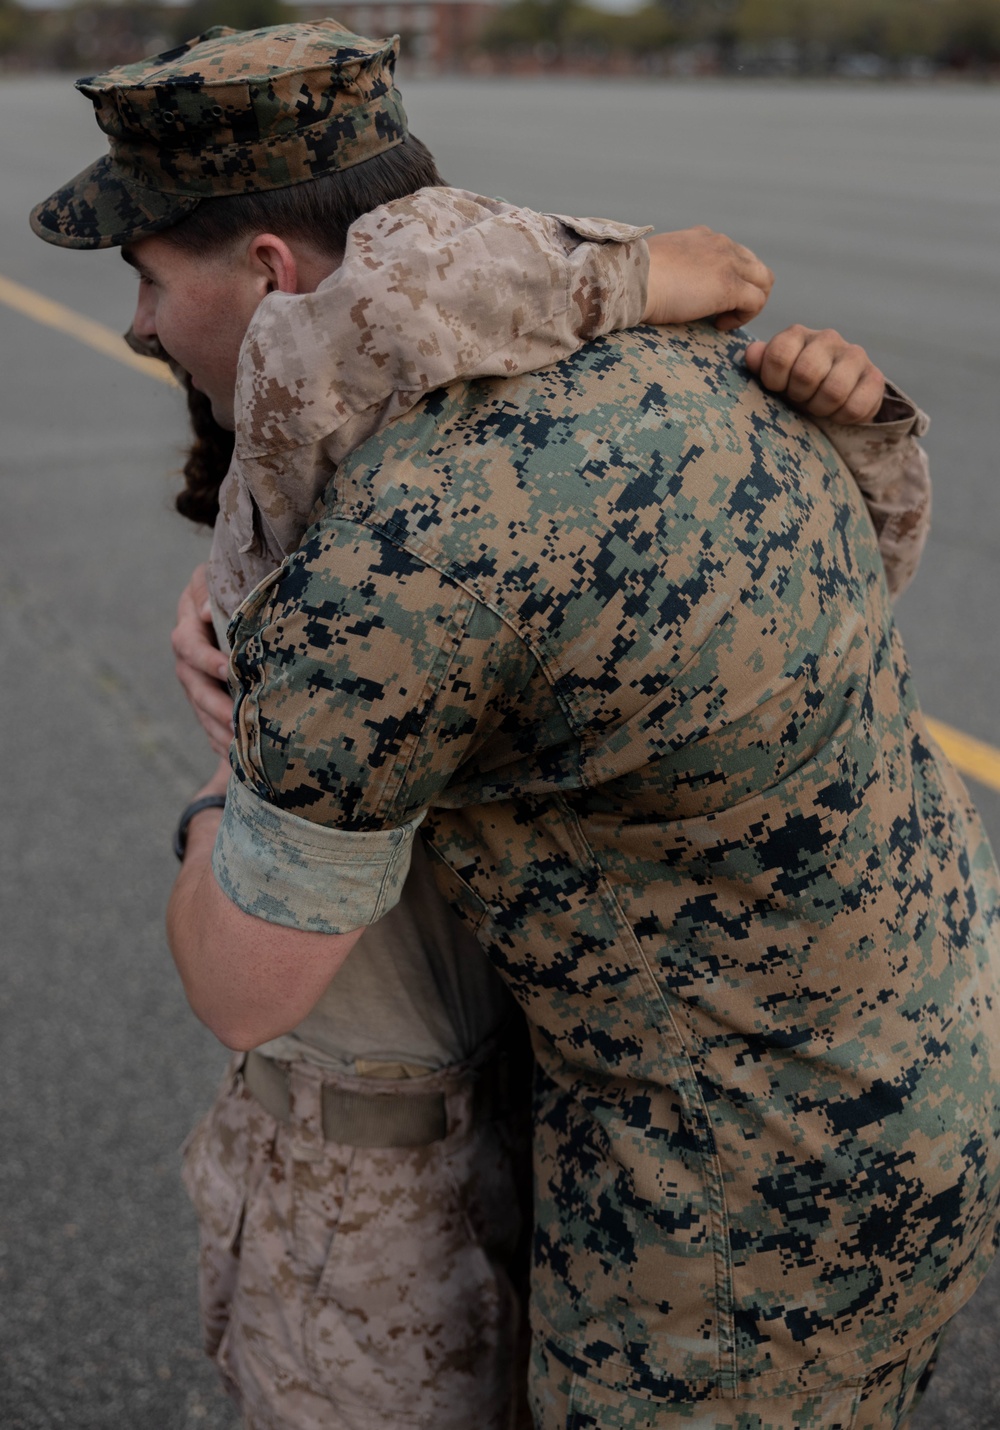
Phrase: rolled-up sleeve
[366,679]
[284,869]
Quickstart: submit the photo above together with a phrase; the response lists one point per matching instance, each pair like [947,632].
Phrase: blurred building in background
[435,35]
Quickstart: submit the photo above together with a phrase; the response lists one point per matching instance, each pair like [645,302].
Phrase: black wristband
[207,801]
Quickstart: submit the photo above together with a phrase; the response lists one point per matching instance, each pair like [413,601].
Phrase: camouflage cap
[226,113]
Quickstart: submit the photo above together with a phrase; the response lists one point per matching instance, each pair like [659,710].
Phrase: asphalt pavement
[877,206]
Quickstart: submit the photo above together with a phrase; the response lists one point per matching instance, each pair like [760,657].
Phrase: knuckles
[837,385]
[782,351]
[866,399]
[822,361]
[822,368]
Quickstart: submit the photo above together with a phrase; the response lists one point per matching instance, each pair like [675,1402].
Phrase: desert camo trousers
[362,1288]
[881,1398]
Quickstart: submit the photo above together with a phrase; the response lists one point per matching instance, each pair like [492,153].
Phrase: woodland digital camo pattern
[877,1400]
[229,112]
[348,1288]
[622,628]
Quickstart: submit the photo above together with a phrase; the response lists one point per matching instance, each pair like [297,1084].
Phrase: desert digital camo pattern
[621,627]
[347,1288]
[439,285]
[892,473]
[229,112]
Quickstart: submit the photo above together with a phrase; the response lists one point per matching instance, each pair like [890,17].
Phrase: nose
[144,321]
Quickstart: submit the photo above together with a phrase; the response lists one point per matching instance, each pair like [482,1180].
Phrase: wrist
[206,804]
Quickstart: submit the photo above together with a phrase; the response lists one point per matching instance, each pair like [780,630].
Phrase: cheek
[165,317]
[225,338]
[190,333]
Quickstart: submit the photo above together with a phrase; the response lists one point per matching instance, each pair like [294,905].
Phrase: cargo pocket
[413,1321]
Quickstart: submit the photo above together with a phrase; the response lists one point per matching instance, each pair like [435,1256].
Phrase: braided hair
[207,461]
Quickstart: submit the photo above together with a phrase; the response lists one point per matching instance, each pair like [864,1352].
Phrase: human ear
[273,263]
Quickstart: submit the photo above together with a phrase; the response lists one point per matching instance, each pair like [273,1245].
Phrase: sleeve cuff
[610,274]
[286,870]
[899,415]
[874,451]
[603,230]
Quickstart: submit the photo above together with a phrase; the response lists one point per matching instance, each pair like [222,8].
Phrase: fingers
[754,356]
[780,356]
[820,372]
[198,587]
[749,284]
[752,301]
[865,398]
[200,666]
[754,276]
[192,646]
[212,704]
[193,639]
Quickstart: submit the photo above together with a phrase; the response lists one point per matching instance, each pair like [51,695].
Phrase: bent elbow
[235,1040]
[242,1026]
[239,1034]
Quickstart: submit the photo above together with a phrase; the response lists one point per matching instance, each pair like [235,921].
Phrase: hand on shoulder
[697,273]
[820,373]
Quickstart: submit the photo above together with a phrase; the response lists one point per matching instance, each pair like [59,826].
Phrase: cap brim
[100,209]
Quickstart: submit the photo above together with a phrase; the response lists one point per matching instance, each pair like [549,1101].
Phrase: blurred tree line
[856,37]
[799,36]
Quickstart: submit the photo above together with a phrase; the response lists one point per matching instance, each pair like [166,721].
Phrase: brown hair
[207,461]
[319,211]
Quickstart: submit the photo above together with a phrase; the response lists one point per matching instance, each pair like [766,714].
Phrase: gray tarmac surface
[879,209]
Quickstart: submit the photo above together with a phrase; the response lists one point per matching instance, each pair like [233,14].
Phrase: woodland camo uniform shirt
[617,638]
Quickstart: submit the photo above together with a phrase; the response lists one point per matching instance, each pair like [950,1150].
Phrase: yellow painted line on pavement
[85,330]
[970,757]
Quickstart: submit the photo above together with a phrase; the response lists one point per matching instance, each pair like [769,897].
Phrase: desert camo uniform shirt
[616,638]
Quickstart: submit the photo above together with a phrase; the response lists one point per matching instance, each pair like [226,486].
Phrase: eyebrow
[132,261]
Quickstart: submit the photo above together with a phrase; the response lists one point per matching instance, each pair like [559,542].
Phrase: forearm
[246,979]
[188,917]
